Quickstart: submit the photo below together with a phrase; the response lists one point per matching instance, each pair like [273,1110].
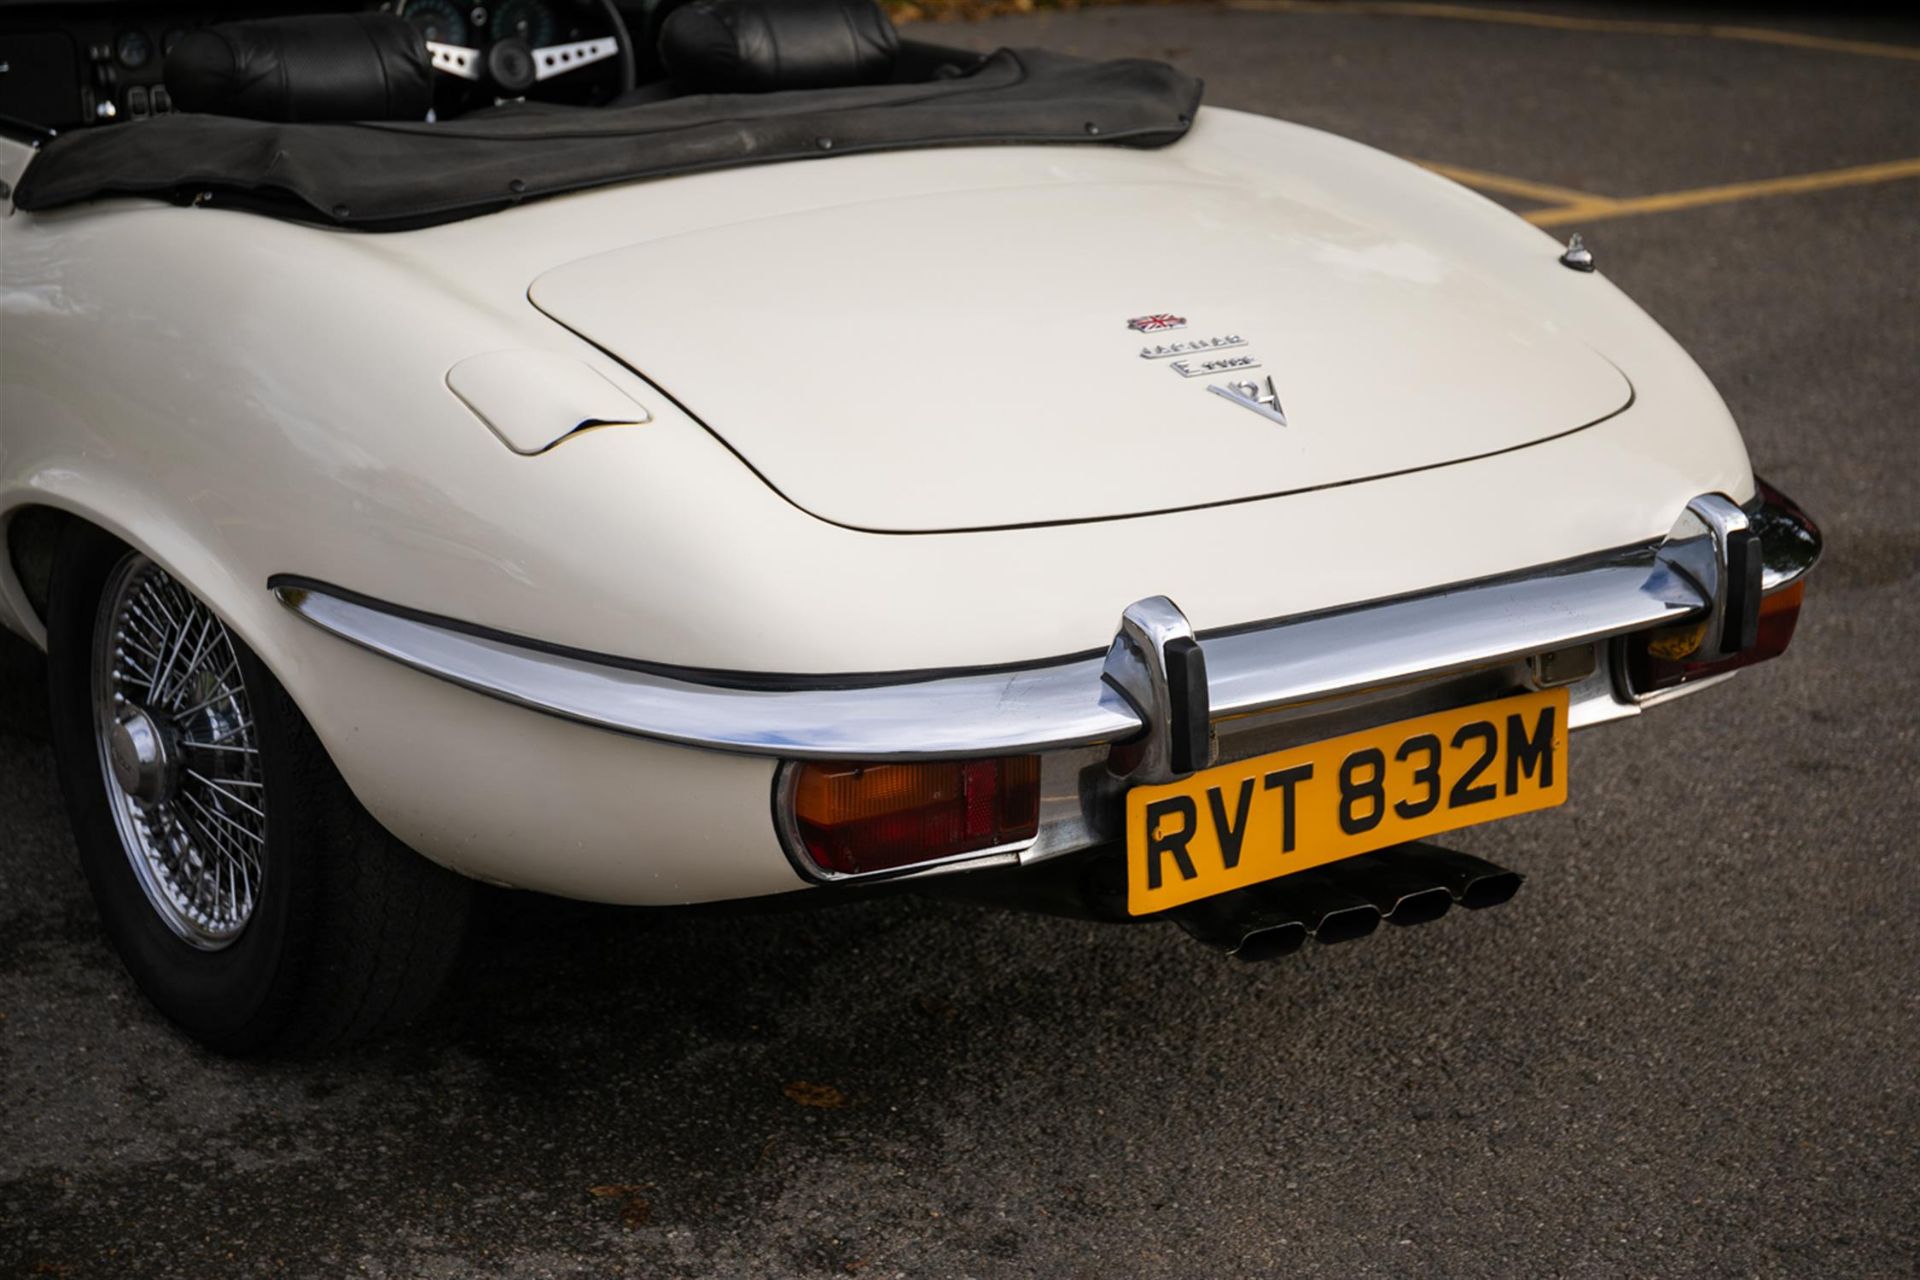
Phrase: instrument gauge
[529,20]
[440,21]
[134,49]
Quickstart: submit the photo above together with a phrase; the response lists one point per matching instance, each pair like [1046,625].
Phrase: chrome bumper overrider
[1158,679]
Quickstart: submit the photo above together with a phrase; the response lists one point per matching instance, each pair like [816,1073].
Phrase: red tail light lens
[1655,661]
[855,819]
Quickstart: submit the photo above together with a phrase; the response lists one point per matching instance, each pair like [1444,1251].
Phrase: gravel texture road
[1688,1047]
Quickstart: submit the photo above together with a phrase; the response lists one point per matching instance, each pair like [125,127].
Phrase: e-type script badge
[1257,396]
[1219,364]
[1155,324]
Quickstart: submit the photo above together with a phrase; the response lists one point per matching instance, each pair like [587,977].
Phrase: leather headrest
[756,46]
[359,66]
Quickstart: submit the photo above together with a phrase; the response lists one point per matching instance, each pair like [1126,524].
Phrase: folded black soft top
[397,175]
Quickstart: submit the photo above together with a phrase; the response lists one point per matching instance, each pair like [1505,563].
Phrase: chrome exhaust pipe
[1267,921]
[1402,894]
[1335,902]
[1246,924]
[1272,943]
[1337,913]
[1341,901]
[1473,882]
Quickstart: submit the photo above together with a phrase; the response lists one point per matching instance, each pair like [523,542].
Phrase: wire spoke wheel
[250,895]
[180,754]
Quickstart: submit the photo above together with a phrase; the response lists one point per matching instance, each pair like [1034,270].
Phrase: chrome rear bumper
[1699,571]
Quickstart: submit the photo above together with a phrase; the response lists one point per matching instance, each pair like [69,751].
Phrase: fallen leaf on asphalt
[808,1094]
[934,1007]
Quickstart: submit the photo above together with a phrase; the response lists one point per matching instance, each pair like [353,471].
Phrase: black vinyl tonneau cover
[395,175]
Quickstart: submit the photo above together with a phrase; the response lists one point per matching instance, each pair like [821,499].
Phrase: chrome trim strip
[1068,704]
[963,715]
[1426,636]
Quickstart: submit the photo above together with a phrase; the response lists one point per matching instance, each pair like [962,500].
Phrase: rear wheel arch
[30,534]
[361,931]
[32,531]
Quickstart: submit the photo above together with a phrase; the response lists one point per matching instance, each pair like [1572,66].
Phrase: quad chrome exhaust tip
[1341,901]
[1472,882]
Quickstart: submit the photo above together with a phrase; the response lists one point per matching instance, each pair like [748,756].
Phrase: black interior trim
[390,175]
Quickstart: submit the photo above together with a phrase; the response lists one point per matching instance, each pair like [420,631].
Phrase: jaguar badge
[1156,324]
[1191,346]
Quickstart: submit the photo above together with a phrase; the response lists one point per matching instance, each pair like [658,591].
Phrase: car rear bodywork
[881,445]
[959,361]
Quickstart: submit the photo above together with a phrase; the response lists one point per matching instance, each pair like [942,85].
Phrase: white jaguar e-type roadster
[464,443]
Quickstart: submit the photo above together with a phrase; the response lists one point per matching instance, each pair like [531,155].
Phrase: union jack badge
[1154,324]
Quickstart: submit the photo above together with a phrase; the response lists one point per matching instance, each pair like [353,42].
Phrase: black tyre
[248,893]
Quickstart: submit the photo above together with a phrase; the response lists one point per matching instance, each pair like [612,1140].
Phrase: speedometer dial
[438,20]
[530,20]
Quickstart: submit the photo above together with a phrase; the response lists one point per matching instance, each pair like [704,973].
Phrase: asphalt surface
[1689,1046]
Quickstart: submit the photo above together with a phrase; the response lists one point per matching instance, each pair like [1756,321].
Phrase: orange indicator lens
[855,818]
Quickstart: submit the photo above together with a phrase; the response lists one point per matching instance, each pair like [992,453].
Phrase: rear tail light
[856,819]
[1657,660]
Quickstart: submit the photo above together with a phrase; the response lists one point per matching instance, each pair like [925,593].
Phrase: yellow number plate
[1239,824]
